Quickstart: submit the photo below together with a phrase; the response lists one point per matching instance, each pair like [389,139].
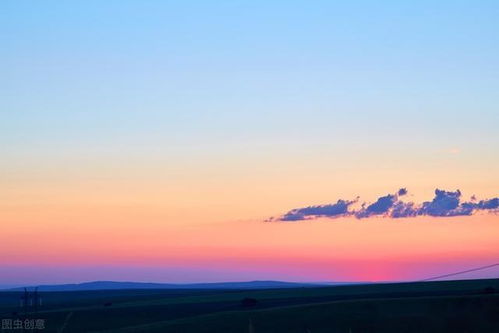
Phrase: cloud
[403,209]
[386,206]
[444,204]
[454,150]
[489,204]
[380,207]
[340,208]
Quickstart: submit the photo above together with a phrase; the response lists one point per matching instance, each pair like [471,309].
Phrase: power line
[461,272]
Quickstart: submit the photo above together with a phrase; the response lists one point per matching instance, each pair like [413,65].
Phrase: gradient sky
[148,140]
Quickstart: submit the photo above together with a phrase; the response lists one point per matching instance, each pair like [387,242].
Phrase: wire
[461,272]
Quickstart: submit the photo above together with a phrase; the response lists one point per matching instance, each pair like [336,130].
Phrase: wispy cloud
[444,204]
[340,208]
[453,150]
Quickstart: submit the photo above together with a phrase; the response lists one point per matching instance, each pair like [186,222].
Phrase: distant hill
[115,285]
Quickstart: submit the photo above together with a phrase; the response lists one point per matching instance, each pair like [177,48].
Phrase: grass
[427,314]
[450,306]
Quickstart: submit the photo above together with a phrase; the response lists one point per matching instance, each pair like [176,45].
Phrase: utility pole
[25,302]
[35,300]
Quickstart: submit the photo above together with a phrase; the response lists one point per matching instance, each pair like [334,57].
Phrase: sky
[151,140]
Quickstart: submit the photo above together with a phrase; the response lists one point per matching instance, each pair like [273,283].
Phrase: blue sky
[255,71]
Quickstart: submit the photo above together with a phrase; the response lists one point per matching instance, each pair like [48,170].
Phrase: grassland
[449,306]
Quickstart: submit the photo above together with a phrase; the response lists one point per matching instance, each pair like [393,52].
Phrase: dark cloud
[403,209]
[380,207]
[445,203]
[292,216]
[385,206]
[489,204]
[340,208]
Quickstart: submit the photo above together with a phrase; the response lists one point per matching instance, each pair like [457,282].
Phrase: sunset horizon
[236,141]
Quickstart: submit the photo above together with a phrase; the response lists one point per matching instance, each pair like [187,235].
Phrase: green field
[449,306]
